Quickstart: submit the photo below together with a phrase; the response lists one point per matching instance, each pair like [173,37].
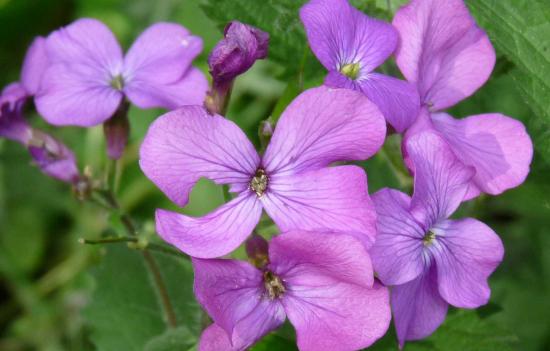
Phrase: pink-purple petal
[187,144]
[86,42]
[442,50]
[34,65]
[324,125]
[466,253]
[328,254]
[397,253]
[232,292]
[440,179]
[215,234]
[331,315]
[497,146]
[158,59]
[72,95]
[189,90]
[417,307]
[214,338]
[339,34]
[334,198]
[398,100]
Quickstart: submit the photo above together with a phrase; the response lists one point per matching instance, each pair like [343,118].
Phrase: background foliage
[56,294]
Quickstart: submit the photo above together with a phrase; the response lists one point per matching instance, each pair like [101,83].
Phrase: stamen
[351,70]
[429,238]
[258,184]
[273,285]
[117,82]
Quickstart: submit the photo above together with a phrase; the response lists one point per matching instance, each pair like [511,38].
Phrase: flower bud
[117,131]
[53,157]
[257,250]
[236,53]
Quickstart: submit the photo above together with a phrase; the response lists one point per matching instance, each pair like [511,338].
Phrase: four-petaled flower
[323,282]
[449,57]
[430,260]
[292,181]
[87,77]
[351,45]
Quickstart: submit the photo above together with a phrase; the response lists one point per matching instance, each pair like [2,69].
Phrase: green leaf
[465,330]
[125,310]
[520,29]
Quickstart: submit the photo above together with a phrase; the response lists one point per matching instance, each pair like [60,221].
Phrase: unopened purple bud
[53,157]
[257,250]
[117,132]
[236,53]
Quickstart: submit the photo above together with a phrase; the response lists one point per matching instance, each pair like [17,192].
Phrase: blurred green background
[56,294]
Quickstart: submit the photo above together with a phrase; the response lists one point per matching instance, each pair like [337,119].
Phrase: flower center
[350,70]
[117,82]
[258,184]
[273,285]
[429,238]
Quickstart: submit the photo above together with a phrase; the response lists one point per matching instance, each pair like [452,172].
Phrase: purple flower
[351,45]
[88,78]
[430,260]
[322,282]
[449,57]
[292,181]
[236,53]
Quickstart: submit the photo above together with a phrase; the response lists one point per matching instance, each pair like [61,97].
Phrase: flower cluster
[320,270]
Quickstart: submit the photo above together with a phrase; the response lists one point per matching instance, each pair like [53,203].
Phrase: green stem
[112,203]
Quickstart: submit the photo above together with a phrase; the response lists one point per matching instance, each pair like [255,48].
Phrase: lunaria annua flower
[430,260]
[351,45]
[292,181]
[449,57]
[88,77]
[323,283]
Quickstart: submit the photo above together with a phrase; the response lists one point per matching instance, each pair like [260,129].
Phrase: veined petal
[440,179]
[75,89]
[334,198]
[397,100]
[161,55]
[73,95]
[35,64]
[466,253]
[329,293]
[329,254]
[417,307]
[324,125]
[442,50]
[233,294]
[497,146]
[339,34]
[397,253]
[331,315]
[189,90]
[187,144]
[215,234]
